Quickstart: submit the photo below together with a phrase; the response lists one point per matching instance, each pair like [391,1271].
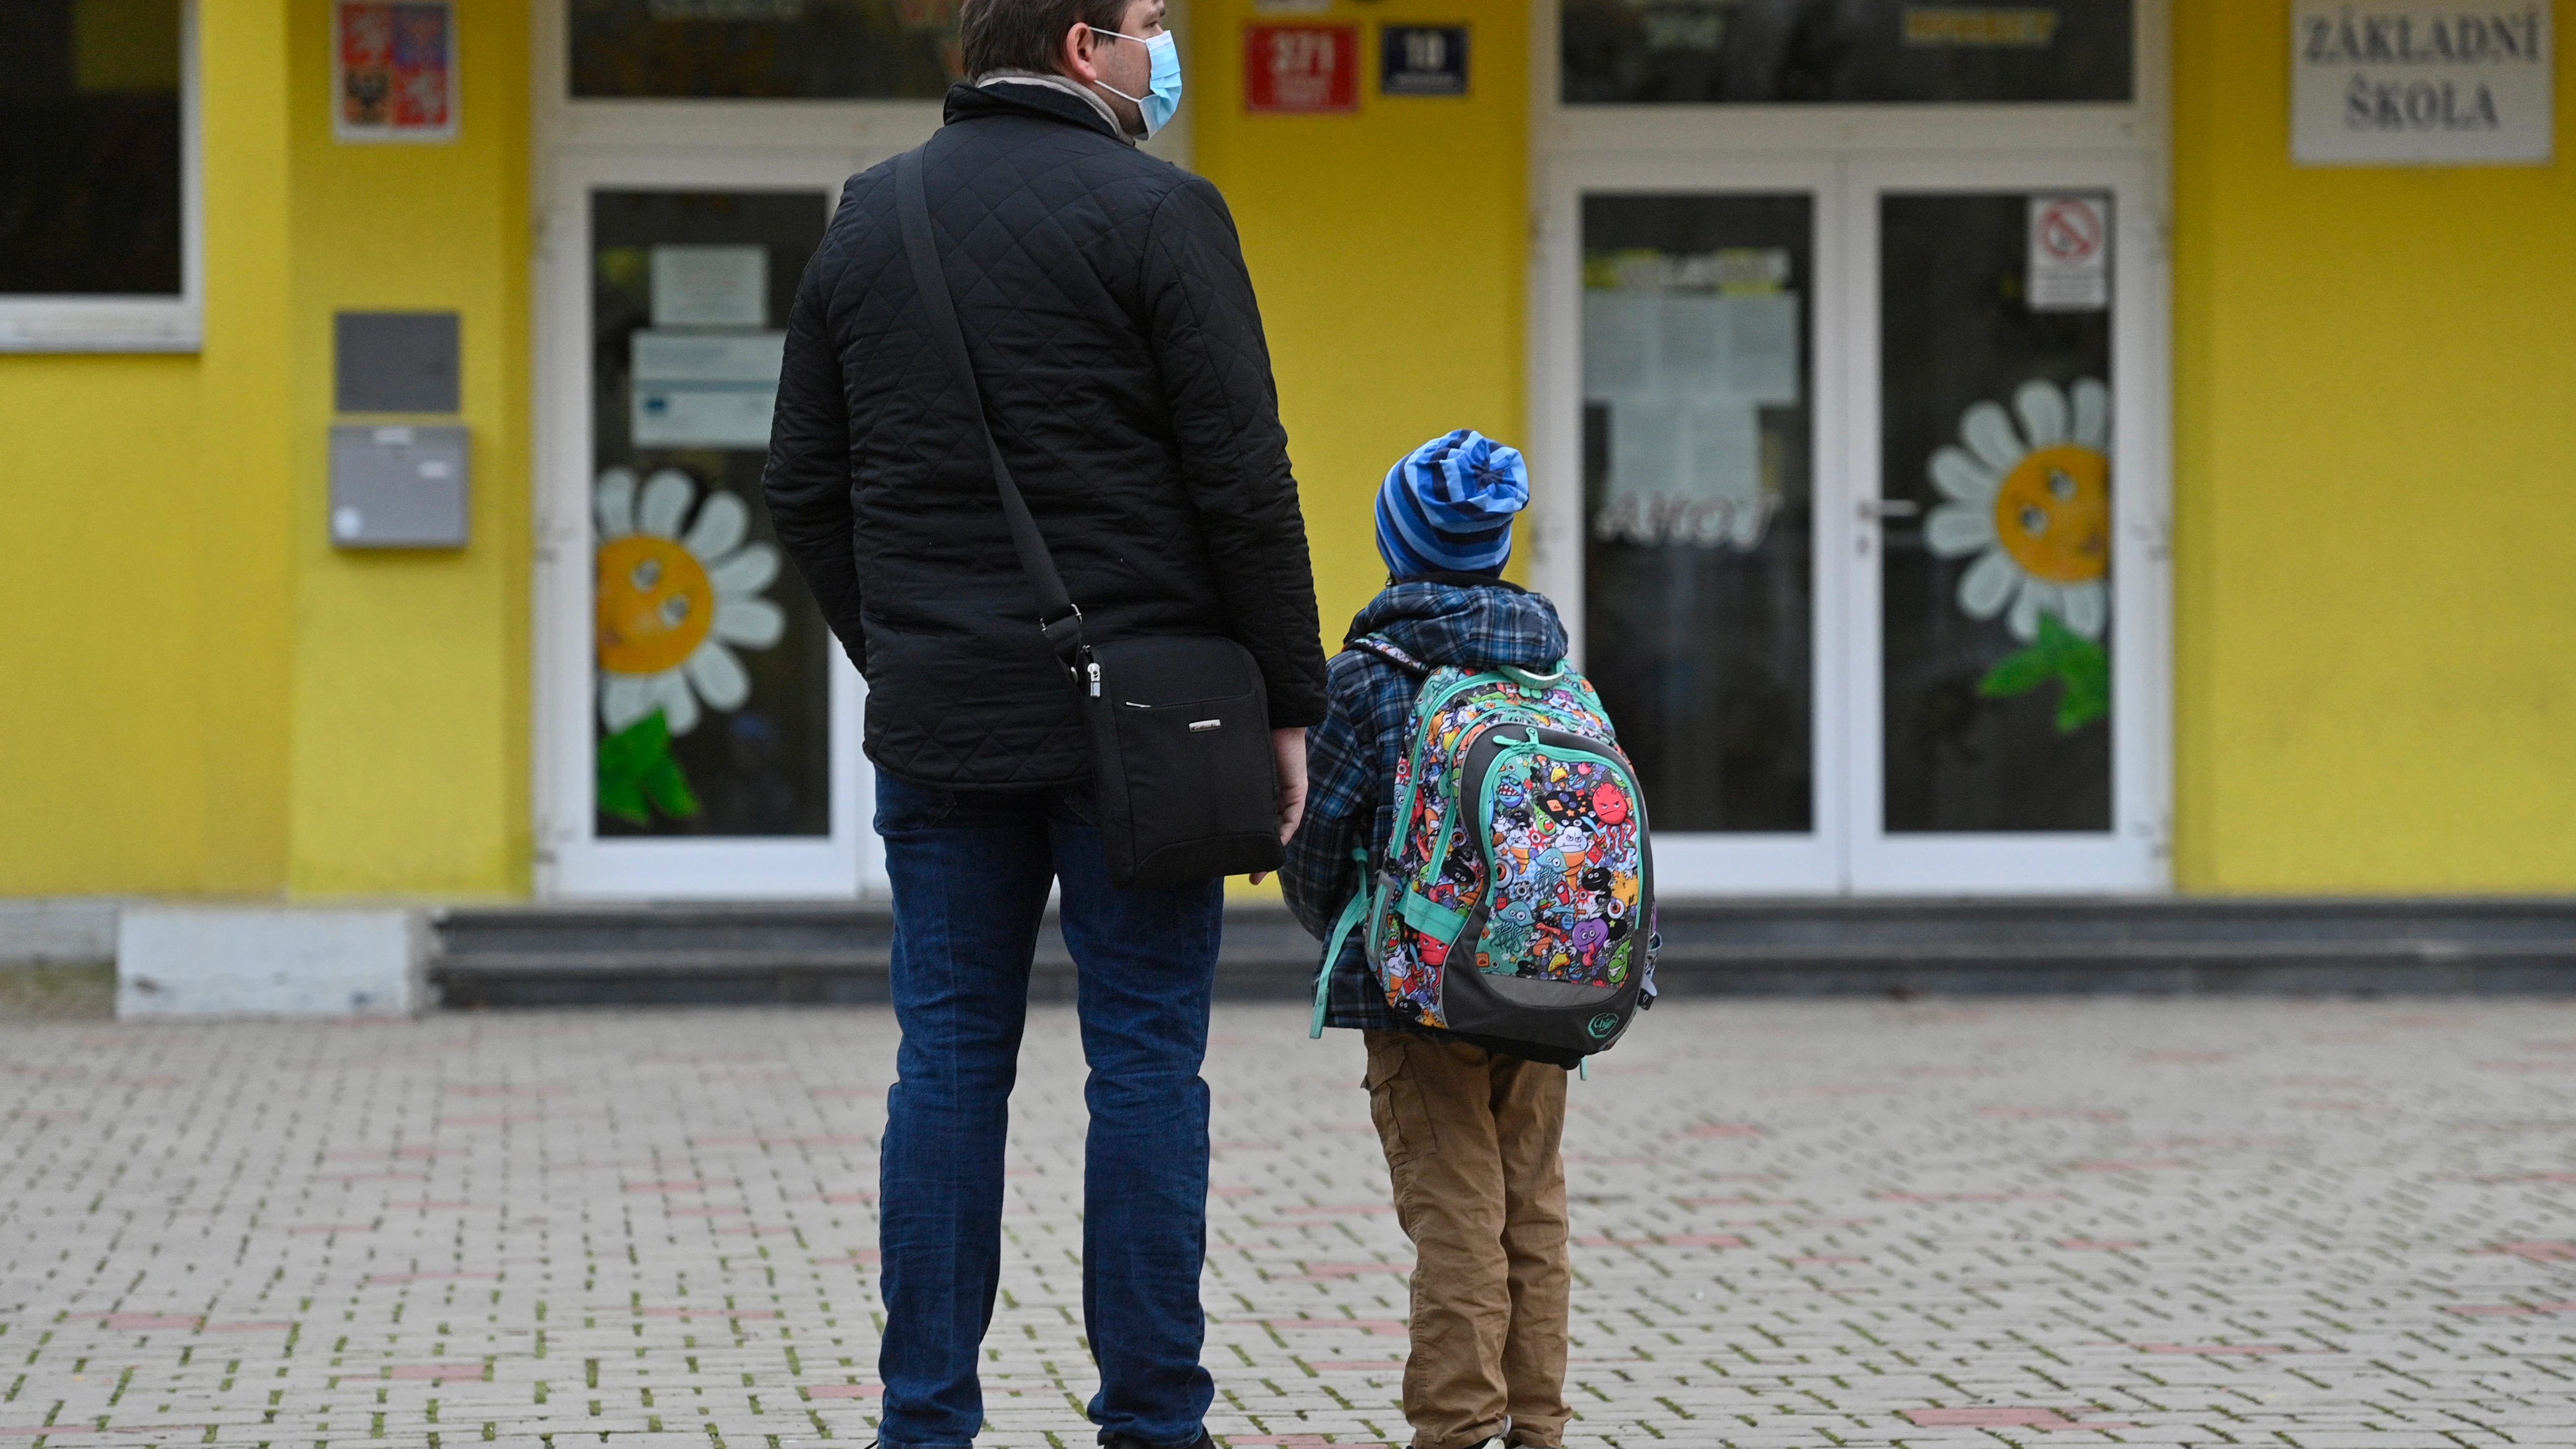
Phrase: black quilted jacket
[1116,342]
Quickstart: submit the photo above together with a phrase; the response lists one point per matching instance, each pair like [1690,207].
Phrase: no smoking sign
[2070,253]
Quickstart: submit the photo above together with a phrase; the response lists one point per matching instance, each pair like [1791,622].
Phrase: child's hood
[1473,624]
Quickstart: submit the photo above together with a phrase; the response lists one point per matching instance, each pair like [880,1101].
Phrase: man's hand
[1288,748]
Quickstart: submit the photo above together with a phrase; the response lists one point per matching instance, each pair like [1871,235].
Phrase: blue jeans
[970,872]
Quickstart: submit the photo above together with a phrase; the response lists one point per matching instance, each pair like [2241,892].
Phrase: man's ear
[1075,58]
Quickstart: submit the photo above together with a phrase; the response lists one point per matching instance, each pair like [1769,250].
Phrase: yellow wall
[202,696]
[408,771]
[1390,249]
[142,739]
[2376,489]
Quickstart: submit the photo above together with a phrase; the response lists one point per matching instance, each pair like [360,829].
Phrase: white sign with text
[2070,254]
[2420,82]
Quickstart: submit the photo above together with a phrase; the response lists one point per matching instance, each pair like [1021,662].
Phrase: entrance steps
[772,954]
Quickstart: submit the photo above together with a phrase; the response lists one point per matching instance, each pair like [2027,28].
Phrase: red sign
[2070,231]
[1296,68]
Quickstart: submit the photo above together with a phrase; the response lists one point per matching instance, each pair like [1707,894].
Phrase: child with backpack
[1474,855]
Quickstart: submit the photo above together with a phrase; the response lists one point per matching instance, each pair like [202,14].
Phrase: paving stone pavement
[2324,1225]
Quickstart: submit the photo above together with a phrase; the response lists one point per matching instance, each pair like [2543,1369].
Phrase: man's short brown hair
[1027,34]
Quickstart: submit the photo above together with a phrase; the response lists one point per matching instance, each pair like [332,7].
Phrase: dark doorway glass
[805,50]
[1698,500]
[1787,52]
[89,148]
[712,708]
[1995,426]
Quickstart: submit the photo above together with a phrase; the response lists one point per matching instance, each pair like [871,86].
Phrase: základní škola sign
[2421,83]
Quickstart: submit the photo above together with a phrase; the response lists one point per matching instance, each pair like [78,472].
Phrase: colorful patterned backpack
[1518,904]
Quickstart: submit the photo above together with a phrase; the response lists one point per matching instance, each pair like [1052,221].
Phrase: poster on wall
[2421,83]
[393,70]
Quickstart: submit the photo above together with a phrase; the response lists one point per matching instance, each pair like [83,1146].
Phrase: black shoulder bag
[1180,723]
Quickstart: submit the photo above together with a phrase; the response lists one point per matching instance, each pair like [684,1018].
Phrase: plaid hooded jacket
[1470,620]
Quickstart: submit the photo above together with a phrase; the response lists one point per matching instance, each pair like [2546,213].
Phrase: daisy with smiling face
[2033,503]
[672,606]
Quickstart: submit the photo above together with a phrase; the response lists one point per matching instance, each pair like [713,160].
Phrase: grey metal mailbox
[398,487]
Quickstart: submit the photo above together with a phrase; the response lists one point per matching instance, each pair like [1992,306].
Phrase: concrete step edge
[664,964]
[1688,954]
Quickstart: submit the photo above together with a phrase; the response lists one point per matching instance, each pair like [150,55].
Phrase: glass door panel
[1995,478]
[1688,456]
[1698,431]
[1790,52]
[698,726]
[2005,665]
[713,712]
[761,49]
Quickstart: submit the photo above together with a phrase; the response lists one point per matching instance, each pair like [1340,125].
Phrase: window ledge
[99,324]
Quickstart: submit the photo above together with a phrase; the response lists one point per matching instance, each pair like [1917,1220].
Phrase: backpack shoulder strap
[1352,915]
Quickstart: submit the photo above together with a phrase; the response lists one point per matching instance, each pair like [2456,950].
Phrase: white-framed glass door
[1772,285]
[1690,539]
[698,724]
[2006,631]
[697,728]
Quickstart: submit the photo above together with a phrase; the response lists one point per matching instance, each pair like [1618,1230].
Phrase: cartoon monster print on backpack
[1571,891]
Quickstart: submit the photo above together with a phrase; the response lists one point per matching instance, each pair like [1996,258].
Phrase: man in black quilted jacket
[1119,353]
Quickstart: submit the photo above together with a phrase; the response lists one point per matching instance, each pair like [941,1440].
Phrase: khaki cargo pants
[1471,1140]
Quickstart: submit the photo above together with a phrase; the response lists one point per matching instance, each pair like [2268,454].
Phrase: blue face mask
[1162,94]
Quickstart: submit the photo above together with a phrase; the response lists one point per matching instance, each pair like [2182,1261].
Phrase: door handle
[1873,510]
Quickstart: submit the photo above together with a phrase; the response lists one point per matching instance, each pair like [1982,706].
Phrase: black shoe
[1124,1441]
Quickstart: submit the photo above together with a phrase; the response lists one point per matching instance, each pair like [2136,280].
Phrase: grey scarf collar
[1057,83]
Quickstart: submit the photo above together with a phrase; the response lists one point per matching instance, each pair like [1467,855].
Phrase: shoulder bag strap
[1058,620]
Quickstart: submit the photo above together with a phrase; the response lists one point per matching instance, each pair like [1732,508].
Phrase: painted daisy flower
[2034,504]
[672,605]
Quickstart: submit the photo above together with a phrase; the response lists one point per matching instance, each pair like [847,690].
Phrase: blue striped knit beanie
[1448,506]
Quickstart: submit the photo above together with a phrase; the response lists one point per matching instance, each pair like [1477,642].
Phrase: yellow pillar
[408,767]
[1390,247]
